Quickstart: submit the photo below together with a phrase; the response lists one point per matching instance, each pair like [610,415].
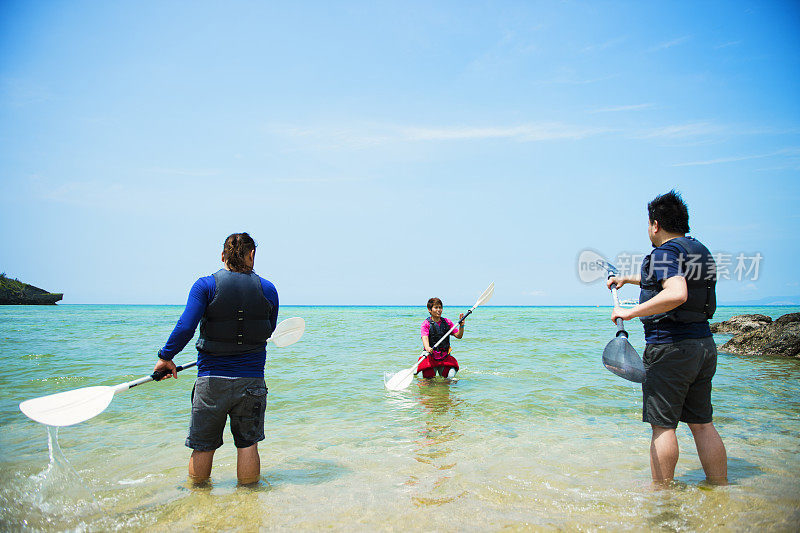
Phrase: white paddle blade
[288,331]
[486,296]
[401,380]
[70,407]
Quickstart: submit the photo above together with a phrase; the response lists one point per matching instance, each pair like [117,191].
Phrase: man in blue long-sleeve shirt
[237,311]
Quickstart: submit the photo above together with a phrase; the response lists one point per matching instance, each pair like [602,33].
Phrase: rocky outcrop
[741,324]
[15,292]
[780,337]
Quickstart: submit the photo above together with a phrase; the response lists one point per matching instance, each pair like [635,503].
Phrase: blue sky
[383,153]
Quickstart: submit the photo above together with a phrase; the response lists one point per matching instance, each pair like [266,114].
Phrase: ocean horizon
[449,306]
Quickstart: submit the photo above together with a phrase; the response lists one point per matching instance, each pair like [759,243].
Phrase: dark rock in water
[781,337]
[15,292]
[741,324]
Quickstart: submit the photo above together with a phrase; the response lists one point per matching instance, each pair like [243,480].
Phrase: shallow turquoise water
[535,434]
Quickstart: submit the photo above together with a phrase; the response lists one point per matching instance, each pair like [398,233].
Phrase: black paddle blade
[621,359]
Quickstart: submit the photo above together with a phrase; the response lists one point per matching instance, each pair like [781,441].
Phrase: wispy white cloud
[615,109]
[534,293]
[356,137]
[331,179]
[183,171]
[87,193]
[510,47]
[720,160]
[726,45]
[604,45]
[18,92]
[572,79]
[705,132]
[524,133]
[130,196]
[370,136]
[677,131]
[792,165]
[669,44]
[790,151]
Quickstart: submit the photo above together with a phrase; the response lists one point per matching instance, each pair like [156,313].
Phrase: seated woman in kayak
[433,329]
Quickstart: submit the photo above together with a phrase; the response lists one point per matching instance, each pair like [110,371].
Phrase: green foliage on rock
[15,292]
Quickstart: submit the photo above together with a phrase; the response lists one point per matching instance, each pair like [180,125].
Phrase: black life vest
[436,332]
[700,271]
[238,319]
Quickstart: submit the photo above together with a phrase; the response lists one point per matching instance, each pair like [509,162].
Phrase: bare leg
[248,465]
[663,454]
[712,452]
[200,465]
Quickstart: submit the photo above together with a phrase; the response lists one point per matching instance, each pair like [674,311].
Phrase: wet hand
[617,282]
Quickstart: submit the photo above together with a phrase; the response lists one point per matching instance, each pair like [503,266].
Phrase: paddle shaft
[155,376]
[451,330]
[619,321]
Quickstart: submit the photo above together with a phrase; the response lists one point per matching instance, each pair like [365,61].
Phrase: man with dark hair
[678,281]
[237,311]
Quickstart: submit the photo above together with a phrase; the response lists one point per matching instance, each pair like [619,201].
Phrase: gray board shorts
[677,384]
[214,399]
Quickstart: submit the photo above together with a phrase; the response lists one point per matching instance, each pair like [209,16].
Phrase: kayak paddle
[403,379]
[78,405]
[619,356]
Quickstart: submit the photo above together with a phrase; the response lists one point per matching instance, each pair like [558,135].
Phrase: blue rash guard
[250,365]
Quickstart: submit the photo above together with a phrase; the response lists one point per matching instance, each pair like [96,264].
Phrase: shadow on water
[230,506]
[738,470]
[307,472]
[685,504]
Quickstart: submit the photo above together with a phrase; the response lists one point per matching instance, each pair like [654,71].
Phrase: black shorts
[214,399]
[677,384]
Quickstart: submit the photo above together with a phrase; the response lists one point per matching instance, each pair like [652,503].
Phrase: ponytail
[237,247]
